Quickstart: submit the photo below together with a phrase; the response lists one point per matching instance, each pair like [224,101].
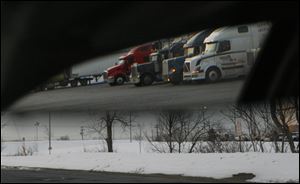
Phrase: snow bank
[268,167]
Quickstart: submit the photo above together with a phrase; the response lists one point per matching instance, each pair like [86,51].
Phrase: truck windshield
[210,47]
[121,62]
[189,52]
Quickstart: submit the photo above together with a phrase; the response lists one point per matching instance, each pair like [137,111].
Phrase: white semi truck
[229,52]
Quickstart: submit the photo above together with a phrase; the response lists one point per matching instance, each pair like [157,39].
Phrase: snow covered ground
[267,167]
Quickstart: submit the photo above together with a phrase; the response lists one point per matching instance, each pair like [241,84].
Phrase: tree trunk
[261,146]
[275,138]
[170,137]
[282,145]
[109,140]
[192,147]
[291,142]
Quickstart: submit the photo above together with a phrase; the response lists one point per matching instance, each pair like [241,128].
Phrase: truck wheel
[64,83]
[83,82]
[39,88]
[177,79]
[74,83]
[147,80]
[138,84]
[50,87]
[213,75]
[119,80]
[112,84]
[175,82]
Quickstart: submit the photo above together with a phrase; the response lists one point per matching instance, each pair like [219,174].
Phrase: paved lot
[128,97]
[65,176]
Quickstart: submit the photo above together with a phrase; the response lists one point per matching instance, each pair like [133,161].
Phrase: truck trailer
[82,74]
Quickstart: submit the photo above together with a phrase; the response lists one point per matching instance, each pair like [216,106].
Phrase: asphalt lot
[13,175]
[128,97]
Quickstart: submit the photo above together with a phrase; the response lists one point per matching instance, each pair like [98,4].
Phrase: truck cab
[146,73]
[118,74]
[229,52]
[173,68]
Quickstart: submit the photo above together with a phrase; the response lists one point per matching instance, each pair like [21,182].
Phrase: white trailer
[229,52]
[84,73]
[93,69]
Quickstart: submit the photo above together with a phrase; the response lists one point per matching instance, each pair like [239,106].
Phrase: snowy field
[139,158]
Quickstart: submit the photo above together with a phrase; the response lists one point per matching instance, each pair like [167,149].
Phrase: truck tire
[147,80]
[39,88]
[83,82]
[63,83]
[74,83]
[120,80]
[177,79]
[213,75]
[112,84]
[50,87]
[138,84]
[175,82]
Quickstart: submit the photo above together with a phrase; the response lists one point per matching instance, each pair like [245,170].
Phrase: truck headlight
[173,70]
[197,70]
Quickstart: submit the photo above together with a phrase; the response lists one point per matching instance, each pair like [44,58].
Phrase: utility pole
[82,134]
[49,148]
[152,134]
[140,138]
[203,112]
[37,124]
[130,127]
[157,135]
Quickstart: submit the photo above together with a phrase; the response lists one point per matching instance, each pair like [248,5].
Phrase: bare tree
[106,122]
[284,112]
[270,130]
[2,139]
[255,126]
[3,125]
[179,130]
[197,129]
[182,129]
[167,122]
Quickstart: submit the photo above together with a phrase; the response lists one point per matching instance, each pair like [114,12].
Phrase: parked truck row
[208,55]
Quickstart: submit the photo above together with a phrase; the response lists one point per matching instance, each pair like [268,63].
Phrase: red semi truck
[118,74]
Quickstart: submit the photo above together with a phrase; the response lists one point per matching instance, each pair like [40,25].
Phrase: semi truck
[147,73]
[173,67]
[118,74]
[82,74]
[229,52]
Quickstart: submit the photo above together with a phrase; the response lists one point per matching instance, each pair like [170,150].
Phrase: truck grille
[186,67]
[165,68]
